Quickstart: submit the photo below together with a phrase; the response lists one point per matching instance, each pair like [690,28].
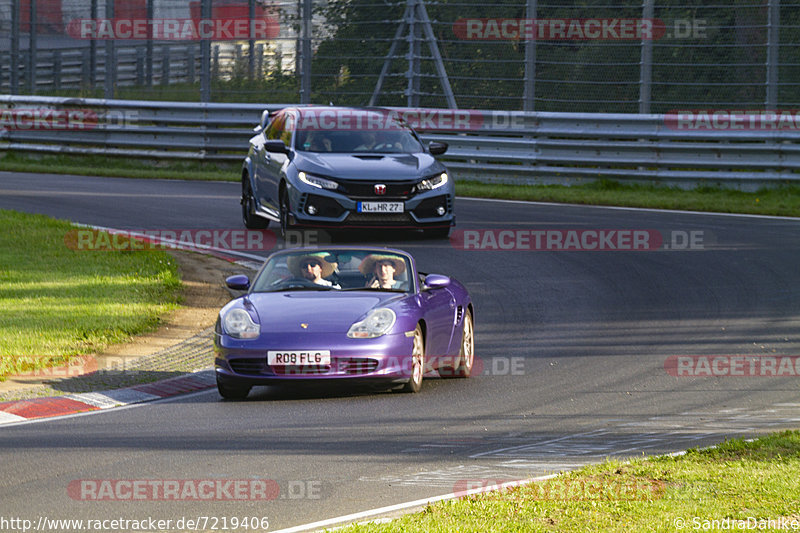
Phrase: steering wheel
[292,283]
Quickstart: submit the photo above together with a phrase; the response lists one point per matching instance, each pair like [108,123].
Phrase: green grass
[737,481]
[782,201]
[95,165]
[57,302]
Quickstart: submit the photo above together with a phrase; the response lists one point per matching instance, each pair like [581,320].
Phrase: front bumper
[384,359]
[332,209]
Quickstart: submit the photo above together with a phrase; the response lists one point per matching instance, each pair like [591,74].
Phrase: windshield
[339,270]
[396,138]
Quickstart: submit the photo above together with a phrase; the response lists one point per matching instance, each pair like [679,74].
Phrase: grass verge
[782,201]
[56,302]
[740,485]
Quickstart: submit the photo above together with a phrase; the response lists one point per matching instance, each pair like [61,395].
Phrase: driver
[313,267]
[383,268]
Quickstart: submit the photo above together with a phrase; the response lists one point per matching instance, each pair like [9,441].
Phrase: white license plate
[309,357]
[380,207]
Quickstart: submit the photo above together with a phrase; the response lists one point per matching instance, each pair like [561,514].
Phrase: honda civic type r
[340,167]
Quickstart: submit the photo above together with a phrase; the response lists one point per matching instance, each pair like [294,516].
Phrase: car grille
[357,365]
[366,189]
[247,366]
[378,218]
[300,370]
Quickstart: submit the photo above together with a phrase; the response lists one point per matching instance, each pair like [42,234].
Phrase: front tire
[232,392]
[417,363]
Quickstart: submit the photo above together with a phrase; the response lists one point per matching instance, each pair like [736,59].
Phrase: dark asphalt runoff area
[575,349]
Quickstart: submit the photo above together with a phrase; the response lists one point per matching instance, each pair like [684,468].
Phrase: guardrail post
[773,52]
[13,58]
[646,64]
[190,64]
[165,60]
[140,55]
[56,70]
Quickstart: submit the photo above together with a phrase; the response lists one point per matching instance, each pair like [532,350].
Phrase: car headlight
[434,182]
[316,181]
[378,322]
[238,324]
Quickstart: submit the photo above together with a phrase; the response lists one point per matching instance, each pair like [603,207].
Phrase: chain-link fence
[651,56]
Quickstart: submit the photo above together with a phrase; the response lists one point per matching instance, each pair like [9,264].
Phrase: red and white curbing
[19,410]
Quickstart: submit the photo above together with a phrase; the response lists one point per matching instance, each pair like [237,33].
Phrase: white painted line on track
[621,208]
[9,418]
[409,505]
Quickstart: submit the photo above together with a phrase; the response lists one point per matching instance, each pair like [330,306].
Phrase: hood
[370,166]
[323,311]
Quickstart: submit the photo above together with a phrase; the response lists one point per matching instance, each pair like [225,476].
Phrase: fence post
[529,87]
[251,44]
[110,59]
[91,75]
[646,64]
[205,56]
[148,61]
[773,52]
[32,44]
[305,54]
[140,55]
[13,58]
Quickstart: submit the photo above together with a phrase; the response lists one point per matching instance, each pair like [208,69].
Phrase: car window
[353,270]
[275,129]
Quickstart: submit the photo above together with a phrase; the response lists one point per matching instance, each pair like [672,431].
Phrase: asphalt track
[573,346]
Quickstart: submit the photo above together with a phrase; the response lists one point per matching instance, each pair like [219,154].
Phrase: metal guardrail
[521,147]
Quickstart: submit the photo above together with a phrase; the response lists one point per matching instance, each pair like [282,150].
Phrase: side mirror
[239,282]
[437,148]
[436,281]
[264,122]
[276,147]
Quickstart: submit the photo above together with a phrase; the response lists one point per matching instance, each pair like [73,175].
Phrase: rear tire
[462,368]
[232,392]
[414,383]
[249,217]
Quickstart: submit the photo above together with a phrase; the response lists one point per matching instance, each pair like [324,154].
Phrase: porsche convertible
[365,315]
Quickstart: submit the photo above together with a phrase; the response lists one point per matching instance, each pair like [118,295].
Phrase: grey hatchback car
[343,167]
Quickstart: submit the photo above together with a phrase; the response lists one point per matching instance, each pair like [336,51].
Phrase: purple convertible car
[329,314]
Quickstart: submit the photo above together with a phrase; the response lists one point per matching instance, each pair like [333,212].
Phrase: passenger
[383,268]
